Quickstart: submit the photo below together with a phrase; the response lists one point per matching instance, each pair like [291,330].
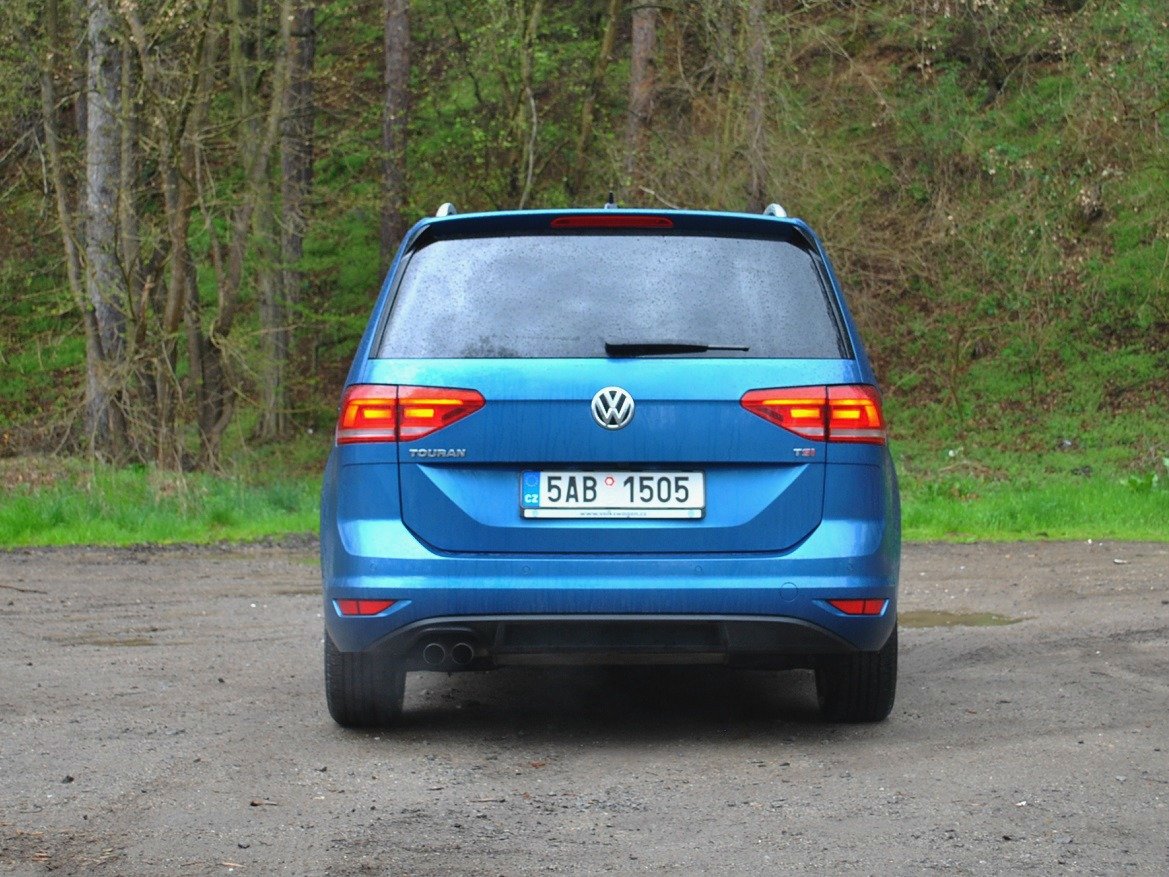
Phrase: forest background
[198,200]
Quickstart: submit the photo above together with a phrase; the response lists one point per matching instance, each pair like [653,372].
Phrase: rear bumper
[786,594]
[479,643]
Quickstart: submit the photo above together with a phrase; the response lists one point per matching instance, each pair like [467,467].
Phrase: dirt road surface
[161,712]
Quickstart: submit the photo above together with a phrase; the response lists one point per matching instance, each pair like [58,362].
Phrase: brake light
[386,413]
[363,607]
[859,607]
[612,220]
[848,413]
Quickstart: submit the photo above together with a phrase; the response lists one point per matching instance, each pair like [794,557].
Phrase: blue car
[616,437]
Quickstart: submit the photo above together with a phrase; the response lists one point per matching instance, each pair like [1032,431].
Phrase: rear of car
[613,437]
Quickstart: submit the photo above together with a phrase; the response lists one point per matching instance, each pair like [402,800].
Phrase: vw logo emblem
[612,408]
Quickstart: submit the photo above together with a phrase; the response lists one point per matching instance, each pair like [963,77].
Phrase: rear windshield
[557,296]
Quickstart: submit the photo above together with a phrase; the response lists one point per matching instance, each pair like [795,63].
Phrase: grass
[970,509]
[947,495]
[67,502]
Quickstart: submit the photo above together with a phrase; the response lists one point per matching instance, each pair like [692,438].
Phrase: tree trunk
[526,106]
[63,197]
[80,68]
[757,105]
[641,92]
[105,283]
[296,166]
[395,117]
[585,136]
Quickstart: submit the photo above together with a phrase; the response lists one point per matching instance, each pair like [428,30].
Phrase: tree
[584,137]
[756,106]
[395,119]
[105,283]
[296,171]
[63,198]
[641,91]
[180,62]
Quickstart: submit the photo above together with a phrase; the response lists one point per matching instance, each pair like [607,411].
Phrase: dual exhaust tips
[437,654]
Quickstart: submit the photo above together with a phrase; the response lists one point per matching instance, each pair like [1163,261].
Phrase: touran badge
[612,408]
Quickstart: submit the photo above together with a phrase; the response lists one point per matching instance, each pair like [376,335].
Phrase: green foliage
[1067,494]
[68,503]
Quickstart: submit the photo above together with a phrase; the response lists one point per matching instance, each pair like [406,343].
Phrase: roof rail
[446,209]
[774,209]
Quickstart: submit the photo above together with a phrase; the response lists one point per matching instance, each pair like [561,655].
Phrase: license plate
[612,494]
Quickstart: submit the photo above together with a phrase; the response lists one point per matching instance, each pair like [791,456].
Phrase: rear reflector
[386,413]
[608,220]
[363,607]
[849,413]
[860,607]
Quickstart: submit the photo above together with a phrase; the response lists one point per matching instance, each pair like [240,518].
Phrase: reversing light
[611,220]
[363,607]
[860,607]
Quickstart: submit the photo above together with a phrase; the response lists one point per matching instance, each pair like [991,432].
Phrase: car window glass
[565,295]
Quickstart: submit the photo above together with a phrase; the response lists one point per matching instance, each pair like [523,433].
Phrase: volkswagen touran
[613,437]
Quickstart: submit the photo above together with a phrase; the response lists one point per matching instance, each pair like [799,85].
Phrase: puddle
[931,618]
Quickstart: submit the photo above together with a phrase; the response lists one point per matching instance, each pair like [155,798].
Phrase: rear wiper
[665,348]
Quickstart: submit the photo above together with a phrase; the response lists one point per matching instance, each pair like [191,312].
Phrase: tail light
[848,413]
[387,413]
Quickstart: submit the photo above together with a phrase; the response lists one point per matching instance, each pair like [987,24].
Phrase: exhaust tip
[462,653]
[434,654]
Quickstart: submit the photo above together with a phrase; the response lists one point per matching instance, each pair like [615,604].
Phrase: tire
[362,691]
[859,687]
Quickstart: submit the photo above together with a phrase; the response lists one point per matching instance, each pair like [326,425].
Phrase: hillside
[990,176]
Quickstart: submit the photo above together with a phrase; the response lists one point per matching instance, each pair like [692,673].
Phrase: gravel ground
[161,712]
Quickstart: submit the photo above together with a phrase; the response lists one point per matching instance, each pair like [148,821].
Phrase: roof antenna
[611,204]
